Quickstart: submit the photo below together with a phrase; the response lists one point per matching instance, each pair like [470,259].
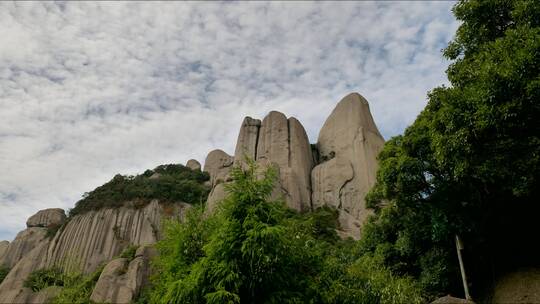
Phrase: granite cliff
[337,171]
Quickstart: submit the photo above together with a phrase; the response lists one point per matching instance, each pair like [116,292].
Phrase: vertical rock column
[284,143]
[348,144]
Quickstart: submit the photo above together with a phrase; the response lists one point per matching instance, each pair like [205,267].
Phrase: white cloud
[88,90]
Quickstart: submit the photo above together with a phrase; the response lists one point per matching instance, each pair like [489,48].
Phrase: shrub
[43,278]
[129,252]
[174,183]
[3,273]
[253,250]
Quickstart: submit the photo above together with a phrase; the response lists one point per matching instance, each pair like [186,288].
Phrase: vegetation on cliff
[167,183]
[253,250]
[3,272]
[469,164]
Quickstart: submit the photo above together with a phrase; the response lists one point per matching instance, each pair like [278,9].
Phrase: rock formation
[85,242]
[193,165]
[47,218]
[246,145]
[348,145]
[280,142]
[338,171]
[218,164]
[339,174]
[121,279]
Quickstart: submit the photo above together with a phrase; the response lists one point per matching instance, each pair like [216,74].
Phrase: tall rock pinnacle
[348,144]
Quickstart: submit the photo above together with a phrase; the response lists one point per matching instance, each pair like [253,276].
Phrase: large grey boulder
[193,165]
[348,145]
[121,280]
[283,142]
[47,218]
[218,164]
[276,141]
[246,145]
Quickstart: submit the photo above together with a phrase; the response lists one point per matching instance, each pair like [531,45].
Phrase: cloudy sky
[88,90]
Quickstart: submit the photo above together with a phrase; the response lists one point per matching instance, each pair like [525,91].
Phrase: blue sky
[88,90]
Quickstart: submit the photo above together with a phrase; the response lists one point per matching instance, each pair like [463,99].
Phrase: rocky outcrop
[11,289]
[246,145]
[4,245]
[193,165]
[97,236]
[121,280]
[284,142]
[24,242]
[348,145]
[47,218]
[87,241]
[218,164]
[346,153]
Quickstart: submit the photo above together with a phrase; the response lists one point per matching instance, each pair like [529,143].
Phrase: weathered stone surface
[217,194]
[122,280]
[24,242]
[348,145]
[284,142]
[11,289]
[97,236]
[193,165]
[246,145]
[47,218]
[218,164]
[4,245]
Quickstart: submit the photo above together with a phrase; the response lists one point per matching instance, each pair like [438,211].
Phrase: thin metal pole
[459,247]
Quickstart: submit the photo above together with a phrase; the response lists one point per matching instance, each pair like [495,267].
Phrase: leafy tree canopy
[469,164]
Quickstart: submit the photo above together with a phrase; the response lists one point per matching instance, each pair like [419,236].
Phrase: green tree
[469,164]
[254,250]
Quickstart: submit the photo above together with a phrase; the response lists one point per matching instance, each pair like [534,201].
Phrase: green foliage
[469,164]
[168,183]
[256,251]
[43,278]
[129,252]
[75,287]
[3,273]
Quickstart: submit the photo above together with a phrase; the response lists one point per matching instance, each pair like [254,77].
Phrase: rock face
[246,145]
[346,151]
[47,218]
[121,279]
[218,164]
[11,289]
[24,242]
[283,143]
[348,145]
[84,243]
[97,236]
[193,165]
